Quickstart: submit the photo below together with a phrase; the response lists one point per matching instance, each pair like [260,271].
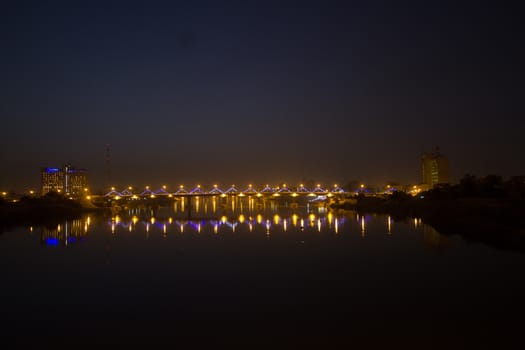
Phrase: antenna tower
[108,166]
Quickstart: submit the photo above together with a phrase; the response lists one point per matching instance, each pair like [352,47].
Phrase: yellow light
[147,187]
[198,186]
[152,196]
[85,189]
[284,185]
[362,185]
[311,217]
[130,188]
[31,191]
[335,185]
[301,185]
[164,186]
[112,188]
[259,195]
[88,197]
[276,219]
[276,194]
[294,219]
[170,220]
[170,195]
[4,193]
[294,194]
[152,220]
[135,219]
[241,218]
[215,186]
[224,219]
[181,187]
[134,197]
[116,197]
[117,219]
[259,218]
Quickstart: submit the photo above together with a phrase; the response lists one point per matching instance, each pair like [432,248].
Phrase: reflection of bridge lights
[163,228]
[152,220]
[216,228]
[134,219]
[294,219]
[241,219]
[389,225]
[285,226]
[259,219]
[224,219]
[251,227]
[336,226]
[276,219]
[170,220]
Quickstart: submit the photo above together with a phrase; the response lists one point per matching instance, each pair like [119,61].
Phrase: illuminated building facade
[68,180]
[52,180]
[434,168]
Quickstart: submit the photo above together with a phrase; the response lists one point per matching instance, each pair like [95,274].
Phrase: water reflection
[217,215]
[66,232]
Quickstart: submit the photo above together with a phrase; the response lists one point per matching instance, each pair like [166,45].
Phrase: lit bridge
[265,191]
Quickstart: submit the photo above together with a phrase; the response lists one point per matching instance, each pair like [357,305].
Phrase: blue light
[52,170]
[52,241]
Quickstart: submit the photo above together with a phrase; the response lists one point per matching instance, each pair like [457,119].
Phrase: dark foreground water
[314,278]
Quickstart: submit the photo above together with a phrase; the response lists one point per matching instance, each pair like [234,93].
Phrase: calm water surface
[276,271]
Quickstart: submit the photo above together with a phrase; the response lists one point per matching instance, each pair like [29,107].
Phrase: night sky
[259,92]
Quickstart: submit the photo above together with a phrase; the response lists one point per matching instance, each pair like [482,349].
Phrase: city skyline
[260,92]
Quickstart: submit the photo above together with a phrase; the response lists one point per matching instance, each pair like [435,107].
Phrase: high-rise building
[68,180]
[52,180]
[434,168]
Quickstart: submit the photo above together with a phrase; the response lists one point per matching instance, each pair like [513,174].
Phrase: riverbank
[499,222]
[44,210]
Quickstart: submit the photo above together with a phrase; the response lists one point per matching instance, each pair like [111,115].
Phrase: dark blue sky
[259,91]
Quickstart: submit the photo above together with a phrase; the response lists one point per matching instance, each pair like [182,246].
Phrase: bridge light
[164,186]
[112,188]
[215,186]
[198,186]
[130,188]
[362,186]
[147,187]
